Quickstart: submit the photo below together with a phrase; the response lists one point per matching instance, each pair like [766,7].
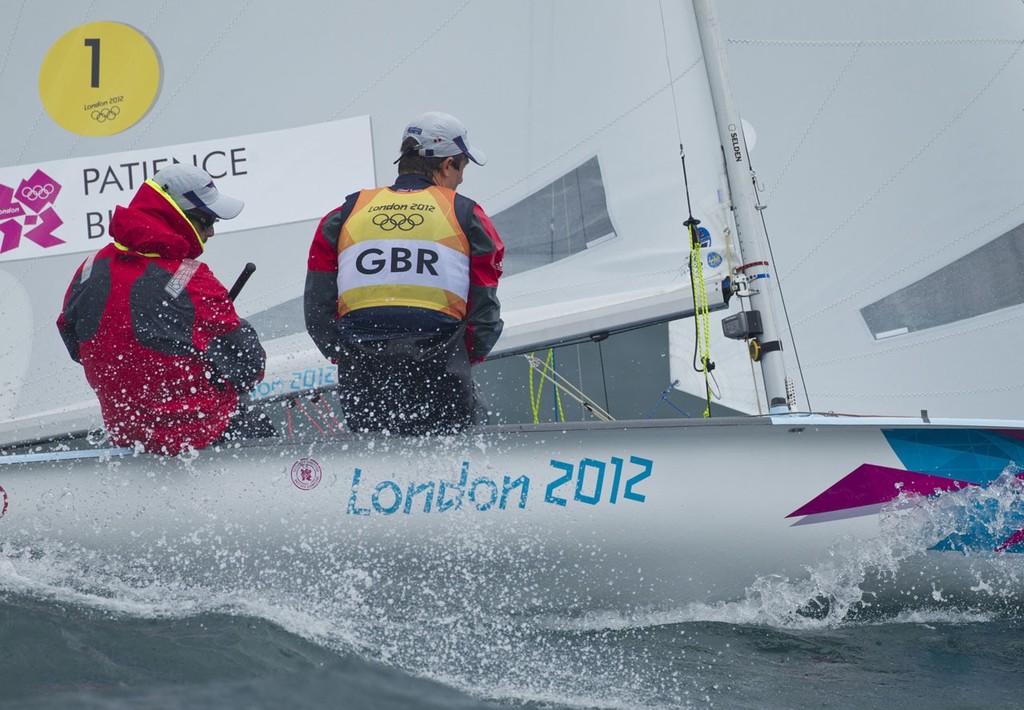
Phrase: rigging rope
[322,418]
[701,307]
[702,318]
[664,398]
[702,312]
[535,393]
[565,387]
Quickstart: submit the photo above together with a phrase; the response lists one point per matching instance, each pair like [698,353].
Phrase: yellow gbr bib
[403,249]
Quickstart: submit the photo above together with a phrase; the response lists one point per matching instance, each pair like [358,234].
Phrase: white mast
[750,229]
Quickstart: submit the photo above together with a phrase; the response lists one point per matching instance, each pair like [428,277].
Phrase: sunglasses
[202,220]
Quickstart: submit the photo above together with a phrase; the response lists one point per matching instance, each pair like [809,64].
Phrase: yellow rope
[702,313]
[535,397]
[535,394]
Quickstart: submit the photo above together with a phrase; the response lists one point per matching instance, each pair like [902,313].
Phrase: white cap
[441,135]
[192,188]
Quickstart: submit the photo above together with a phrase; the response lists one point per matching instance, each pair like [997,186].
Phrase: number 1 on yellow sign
[100,78]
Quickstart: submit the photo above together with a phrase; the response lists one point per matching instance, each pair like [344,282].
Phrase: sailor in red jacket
[401,289]
[155,331]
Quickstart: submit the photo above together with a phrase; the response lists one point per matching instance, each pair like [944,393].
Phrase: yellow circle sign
[99,78]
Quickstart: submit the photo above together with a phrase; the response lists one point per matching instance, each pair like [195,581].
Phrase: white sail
[580,105]
[584,178]
[889,184]
[888,156]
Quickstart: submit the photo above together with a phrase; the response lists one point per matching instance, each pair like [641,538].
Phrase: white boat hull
[612,516]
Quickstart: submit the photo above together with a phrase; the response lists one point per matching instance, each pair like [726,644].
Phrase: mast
[750,230]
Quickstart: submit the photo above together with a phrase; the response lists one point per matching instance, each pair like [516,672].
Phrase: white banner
[296,174]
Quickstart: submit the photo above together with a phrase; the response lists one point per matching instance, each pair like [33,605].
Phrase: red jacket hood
[152,224]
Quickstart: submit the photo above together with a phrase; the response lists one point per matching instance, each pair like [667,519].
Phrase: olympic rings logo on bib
[402,222]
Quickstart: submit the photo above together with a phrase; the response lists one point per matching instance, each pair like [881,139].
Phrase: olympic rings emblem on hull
[37,192]
[3,501]
[306,474]
[105,114]
[402,222]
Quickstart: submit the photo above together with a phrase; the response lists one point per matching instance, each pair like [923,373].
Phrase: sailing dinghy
[621,182]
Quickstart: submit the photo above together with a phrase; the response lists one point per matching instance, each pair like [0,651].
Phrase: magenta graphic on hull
[937,461]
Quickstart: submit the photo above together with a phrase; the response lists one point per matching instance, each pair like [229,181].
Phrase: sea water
[872,625]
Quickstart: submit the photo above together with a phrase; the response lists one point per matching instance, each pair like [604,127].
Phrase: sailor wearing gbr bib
[401,289]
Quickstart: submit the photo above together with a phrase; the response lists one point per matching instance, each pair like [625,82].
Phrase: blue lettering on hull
[589,481]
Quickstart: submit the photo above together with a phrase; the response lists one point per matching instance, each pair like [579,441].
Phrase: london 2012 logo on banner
[27,211]
[306,474]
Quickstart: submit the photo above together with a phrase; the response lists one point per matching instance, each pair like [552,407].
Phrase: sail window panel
[556,221]
[985,280]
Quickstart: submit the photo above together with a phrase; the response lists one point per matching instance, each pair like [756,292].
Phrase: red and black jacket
[156,332]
